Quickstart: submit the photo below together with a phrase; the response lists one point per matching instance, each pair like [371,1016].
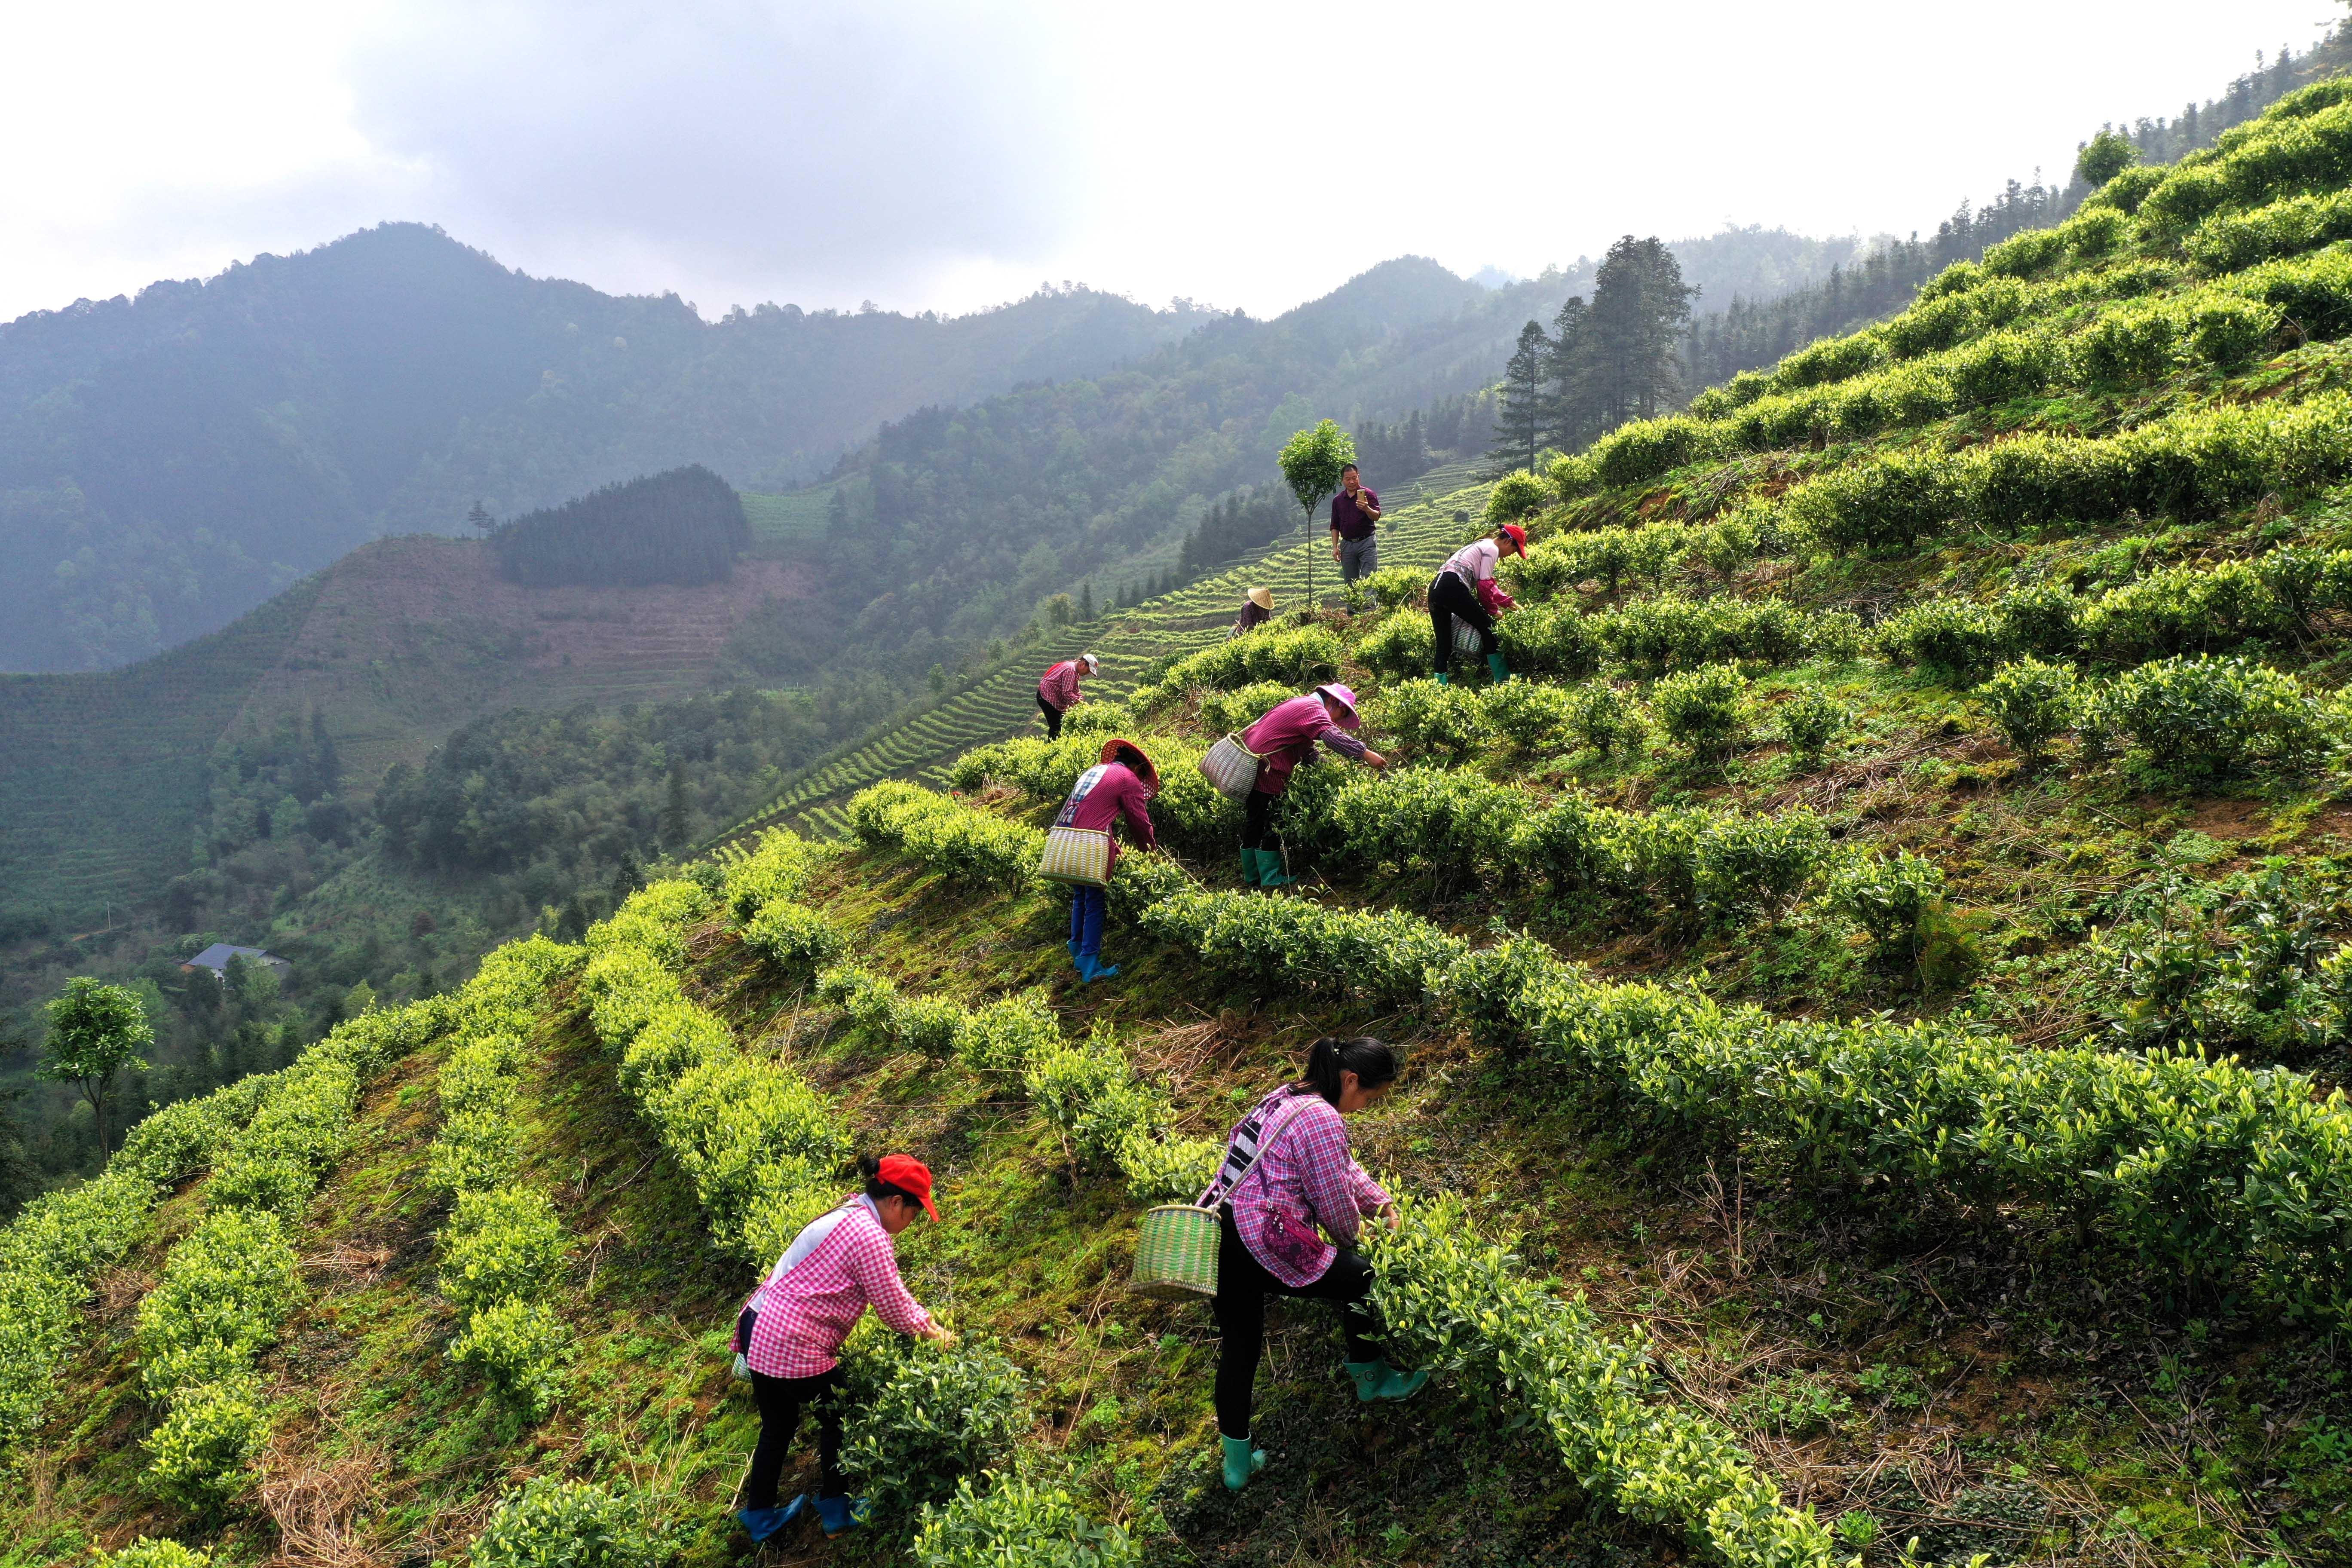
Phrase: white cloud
[952,153]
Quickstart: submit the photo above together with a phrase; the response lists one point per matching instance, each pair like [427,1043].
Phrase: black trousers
[781,1402]
[1242,1287]
[1257,821]
[1052,718]
[1450,597]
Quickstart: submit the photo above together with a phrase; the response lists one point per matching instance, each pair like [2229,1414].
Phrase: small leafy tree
[1515,495]
[2031,702]
[95,1032]
[2104,157]
[1311,463]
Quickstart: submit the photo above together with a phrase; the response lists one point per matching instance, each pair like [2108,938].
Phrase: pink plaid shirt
[1305,1176]
[804,1315]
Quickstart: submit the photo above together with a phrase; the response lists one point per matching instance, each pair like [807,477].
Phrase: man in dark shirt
[1355,524]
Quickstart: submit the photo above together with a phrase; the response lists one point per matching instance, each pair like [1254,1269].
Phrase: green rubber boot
[1443,680]
[1249,868]
[1270,873]
[1497,668]
[1242,1462]
[1378,1380]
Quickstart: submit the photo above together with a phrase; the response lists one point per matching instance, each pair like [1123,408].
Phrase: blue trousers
[1088,906]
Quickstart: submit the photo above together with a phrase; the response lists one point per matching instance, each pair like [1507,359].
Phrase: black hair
[870,1167]
[1345,467]
[1373,1062]
[1136,761]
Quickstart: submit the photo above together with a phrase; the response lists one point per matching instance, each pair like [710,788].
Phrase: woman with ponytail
[1288,1170]
[789,1334]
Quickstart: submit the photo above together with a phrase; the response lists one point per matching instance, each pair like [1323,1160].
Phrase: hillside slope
[107,776]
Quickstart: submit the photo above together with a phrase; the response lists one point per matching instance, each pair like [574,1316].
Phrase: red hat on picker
[1518,537]
[910,1176]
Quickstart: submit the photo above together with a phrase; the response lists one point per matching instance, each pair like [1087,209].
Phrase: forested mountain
[168,462]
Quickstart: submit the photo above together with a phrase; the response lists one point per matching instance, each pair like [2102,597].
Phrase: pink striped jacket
[804,1314]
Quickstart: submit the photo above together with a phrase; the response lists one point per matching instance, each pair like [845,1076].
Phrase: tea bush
[1515,496]
[1647,449]
[1648,555]
[1704,709]
[1449,821]
[778,867]
[796,940]
[522,1347]
[1887,896]
[60,1240]
[149,1552]
[1551,639]
[1758,864]
[553,1523]
[1098,718]
[1402,646]
[1810,721]
[506,1242]
[1606,719]
[964,845]
[2217,715]
[1532,716]
[1445,723]
[1019,1524]
[923,1416]
[1296,656]
[2031,703]
[1652,637]
[1386,957]
[1957,639]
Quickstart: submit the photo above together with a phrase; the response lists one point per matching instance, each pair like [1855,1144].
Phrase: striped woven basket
[1176,1254]
[1076,855]
[1231,768]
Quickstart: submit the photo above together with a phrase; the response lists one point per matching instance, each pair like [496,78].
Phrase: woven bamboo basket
[1176,1254]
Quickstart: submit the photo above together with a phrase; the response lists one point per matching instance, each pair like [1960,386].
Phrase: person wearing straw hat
[1288,1172]
[1456,594]
[1057,690]
[1257,608]
[1121,784]
[1285,737]
[790,1330]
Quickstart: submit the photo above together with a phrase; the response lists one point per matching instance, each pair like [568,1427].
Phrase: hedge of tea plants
[503,1244]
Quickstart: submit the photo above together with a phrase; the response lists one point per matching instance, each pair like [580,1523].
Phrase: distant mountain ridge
[167,463]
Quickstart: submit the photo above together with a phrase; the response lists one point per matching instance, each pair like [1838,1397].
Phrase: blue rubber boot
[1095,903]
[1497,668]
[840,1514]
[760,1523]
[1242,1462]
[1078,923]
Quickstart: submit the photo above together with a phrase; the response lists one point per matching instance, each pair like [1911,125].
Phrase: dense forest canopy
[683,526]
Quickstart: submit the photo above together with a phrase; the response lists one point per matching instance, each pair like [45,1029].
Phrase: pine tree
[1087,600]
[1569,416]
[1520,427]
[1640,308]
[1413,450]
[837,511]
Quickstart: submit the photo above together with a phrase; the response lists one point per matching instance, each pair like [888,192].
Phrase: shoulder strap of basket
[1242,1153]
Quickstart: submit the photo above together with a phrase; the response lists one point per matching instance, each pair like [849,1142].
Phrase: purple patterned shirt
[1303,1177]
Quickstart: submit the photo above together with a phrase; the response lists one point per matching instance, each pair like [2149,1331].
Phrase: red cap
[910,1174]
[1518,536]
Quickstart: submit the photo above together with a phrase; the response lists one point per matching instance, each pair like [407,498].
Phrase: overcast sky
[953,155]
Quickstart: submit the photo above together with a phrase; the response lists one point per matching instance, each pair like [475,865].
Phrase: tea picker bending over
[1285,737]
[1057,690]
[791,1332]
[1257,608]
[1121,784]
[1303,1176]
[1458,592]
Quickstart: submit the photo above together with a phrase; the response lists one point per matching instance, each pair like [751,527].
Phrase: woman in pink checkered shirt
[791,1327]
[1302,1176]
